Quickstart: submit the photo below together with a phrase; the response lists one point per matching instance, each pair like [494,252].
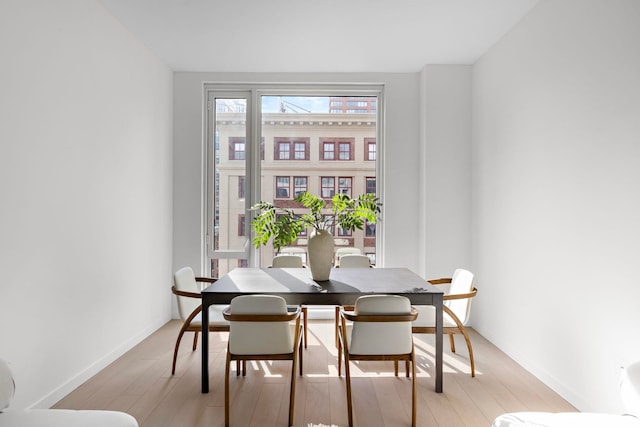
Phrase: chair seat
[215,317]
[564,419]
[65,418]
[427,317]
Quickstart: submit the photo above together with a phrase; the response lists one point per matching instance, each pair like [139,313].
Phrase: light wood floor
[140,383]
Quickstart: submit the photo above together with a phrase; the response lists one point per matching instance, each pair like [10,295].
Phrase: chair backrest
[381,337]
[286,261]
[266,337]
[340,252]
[630,389]
[354,261]
[185,280]
[461,283]
[7,385]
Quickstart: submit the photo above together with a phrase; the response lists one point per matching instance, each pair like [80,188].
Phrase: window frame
[253,92]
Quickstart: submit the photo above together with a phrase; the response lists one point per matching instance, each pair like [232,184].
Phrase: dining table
[344,286]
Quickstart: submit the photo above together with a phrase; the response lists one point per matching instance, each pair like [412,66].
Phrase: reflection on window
[344,186]
[371,185]
[299,185]
[370,229]
[328,187]
[282,187]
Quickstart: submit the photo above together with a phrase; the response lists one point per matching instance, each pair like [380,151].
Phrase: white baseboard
[64,389]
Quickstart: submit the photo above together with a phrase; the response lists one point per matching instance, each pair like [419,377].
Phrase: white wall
[445,146]
[402,199]
[556,203]
[85,187]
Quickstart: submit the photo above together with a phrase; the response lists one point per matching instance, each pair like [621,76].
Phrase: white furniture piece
[340,252]
[349,260]
[187,288]
[354,261]
[629,393]
[379,329]
[287,261]
[53,417]
[293,261]
[457,308]
[261,329]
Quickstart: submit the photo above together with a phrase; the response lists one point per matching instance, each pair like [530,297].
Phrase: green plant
[284,225]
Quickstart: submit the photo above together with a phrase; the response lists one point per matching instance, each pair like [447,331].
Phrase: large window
[310,145]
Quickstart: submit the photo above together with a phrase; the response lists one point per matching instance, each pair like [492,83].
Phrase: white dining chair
[456,311]
[354,261]
[379,329]
[293,261]
[187,287]
[261,329]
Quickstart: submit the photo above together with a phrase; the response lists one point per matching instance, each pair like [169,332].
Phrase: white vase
[320,247]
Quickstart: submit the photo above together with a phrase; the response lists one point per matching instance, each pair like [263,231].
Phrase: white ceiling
[317,35]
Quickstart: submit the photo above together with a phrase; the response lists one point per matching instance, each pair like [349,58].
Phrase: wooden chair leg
[466,338]
[413,388]
[340,359]
[300,359]
[452,343]
[226,390]
[305,323]
[195,341]
[292,392]
[349,403]
[175,350]
[337,325]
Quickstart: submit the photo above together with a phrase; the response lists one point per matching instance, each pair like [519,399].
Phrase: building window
[371,185]
[345,185]
[343,232]
[241,224]
[328,151]
[370,147]
[345,151]
[328,219]
[299,185]
[236,148]
[241,187]
[336,148]
[291,149]
[284,151]
[328,187]
[300,151]
[282,187]
[370,229]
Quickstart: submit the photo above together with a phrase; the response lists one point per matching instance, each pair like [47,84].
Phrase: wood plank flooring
[140,383]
